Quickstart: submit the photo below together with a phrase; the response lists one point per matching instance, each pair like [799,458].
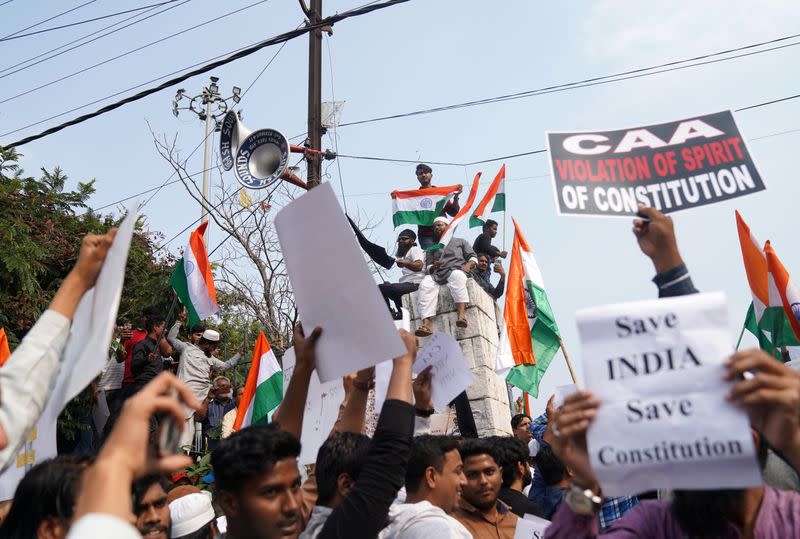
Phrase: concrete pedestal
[488,396]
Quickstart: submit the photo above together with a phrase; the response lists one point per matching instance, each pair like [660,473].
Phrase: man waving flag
[420,206]
[192,279]
[263,390]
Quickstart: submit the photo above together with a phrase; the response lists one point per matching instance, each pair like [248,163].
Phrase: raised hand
[770,394]
[305,348]
[94,249]
[656,239]
[568,425]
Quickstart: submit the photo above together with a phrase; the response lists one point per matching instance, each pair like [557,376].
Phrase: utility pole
[314,140]
[210,107]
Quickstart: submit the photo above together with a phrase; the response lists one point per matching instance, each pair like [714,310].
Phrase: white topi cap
[190,513]
[441,219]
[211,335]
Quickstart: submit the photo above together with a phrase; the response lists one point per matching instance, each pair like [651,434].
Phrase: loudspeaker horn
[258,158]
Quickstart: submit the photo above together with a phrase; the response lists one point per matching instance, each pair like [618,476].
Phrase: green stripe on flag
[499,202]
[474,221]
[268,396]
[546,342]
[181,288]
[419,217]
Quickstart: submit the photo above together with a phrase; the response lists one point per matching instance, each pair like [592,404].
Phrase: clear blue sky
[431,53]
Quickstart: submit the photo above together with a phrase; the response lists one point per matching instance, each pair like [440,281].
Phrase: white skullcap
[533,447]
[211,335]
[441,219]
[190,513]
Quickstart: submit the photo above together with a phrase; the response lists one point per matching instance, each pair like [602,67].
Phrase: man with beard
[451,208]
[411,260]
[150,507]
[771,399]
[480,509]
[196,365]
[217,403]
[513,459]
[449,265]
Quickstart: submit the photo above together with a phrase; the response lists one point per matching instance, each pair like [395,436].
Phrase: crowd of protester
[402,482]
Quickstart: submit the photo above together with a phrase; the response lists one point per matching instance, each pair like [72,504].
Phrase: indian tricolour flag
[494,197]
[771,319]
[263,390]
[420,206]
[447,235]
[192,279]
[529,337]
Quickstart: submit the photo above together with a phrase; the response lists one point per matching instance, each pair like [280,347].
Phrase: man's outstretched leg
[457,283]
[428,299]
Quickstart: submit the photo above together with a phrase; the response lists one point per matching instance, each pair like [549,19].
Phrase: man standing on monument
[196,365]
[425,233]
[449,265]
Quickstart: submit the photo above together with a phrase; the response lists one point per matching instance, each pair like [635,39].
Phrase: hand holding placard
[771,399]
[339,295]
[663,423]
[450,374]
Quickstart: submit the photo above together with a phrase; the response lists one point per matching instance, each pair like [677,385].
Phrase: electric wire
[90,34]
[129,197]
[328,21]
[167,181]
[86,21]
[129,52]
[49,19]
[594,81]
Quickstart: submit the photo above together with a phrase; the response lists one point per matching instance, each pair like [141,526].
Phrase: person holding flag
[449,261]
[194,284]
[421,206]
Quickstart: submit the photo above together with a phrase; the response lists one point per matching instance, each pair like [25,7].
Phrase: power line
[769,135]
[605,79]
[49,19]
[328,21]
[90,34]
[167,181]
[85,21]
[6,2]
[129,52]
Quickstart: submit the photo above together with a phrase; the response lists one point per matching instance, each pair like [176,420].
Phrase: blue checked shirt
[612,509]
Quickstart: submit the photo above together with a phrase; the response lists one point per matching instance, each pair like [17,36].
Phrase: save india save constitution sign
[664,421]
[670,166]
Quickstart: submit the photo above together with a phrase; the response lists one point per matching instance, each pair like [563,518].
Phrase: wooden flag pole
[569,363]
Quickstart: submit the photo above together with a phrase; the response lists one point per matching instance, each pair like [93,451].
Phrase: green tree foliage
[41,227]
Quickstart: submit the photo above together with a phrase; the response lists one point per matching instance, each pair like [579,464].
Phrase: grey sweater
[453,256]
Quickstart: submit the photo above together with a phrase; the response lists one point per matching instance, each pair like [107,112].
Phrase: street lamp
[210,107]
